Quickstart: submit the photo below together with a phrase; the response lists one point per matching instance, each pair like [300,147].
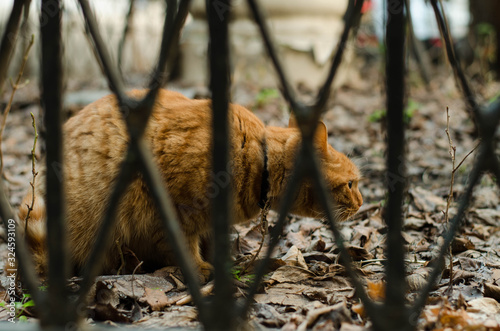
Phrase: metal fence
[59,309]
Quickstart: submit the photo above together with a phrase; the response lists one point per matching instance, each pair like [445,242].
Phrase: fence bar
[51,85]
[218,12]
[353,15]
[488,121]
[176,238]
[455,223]
[470,100]
[171,33]
[103,239]
[137,114]
[285,205]
[327,202]
[286,89]
[114,78]
[9,38]
[396,314]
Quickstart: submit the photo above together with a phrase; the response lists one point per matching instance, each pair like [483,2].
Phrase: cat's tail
[33,228]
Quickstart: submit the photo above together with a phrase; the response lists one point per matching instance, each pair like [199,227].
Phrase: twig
[452,151]
[34,173]
[133,277]
[9,104]
[466,156]
[122,259]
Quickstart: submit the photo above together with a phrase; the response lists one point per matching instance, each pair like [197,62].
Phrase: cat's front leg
[204,268]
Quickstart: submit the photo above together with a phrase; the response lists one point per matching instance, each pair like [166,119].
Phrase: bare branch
[15,87]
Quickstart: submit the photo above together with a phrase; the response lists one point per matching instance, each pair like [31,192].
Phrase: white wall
[141,49]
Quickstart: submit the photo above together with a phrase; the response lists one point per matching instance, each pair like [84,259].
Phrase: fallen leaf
[294,258]
[487,306]
[205,291]
[284,295]
[291,274]
[488,216]
[425,200]
[106,312]
[359,253]
[340,312]
[460,245]
[156,299]
[267,315]
[492,291]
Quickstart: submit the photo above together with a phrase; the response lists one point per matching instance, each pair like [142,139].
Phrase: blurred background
[306,33]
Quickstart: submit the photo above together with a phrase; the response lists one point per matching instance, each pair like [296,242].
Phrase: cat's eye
[350,184]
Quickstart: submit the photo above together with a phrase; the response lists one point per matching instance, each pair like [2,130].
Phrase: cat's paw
[205,270]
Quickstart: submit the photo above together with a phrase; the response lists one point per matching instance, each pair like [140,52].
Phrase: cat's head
[342,180]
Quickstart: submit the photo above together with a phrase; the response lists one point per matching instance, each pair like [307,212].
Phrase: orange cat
[179,133]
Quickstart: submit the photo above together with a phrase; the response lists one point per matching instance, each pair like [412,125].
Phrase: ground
[306,287]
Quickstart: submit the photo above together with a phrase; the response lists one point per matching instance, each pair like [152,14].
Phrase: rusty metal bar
[176,238]
[395,311]
[285,205]
[353,15]
[218,12]
[112,74]
[286,89]
[171,34]
[470,99]
[326,200]
[455,223]
[137,114]
[51,83]
[108,221]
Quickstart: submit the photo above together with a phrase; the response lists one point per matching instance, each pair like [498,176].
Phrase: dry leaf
[294,258]
[156,299]
[460,245]
[492,291]
[106,312]
[426,201]
[487,306]
[291,274]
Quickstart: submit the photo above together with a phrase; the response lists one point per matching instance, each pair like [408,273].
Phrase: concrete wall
[306,33]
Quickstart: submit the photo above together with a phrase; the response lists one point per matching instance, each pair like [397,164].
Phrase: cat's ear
[321,137]
[292,122]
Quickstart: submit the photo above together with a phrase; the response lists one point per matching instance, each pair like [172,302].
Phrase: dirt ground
[306,287]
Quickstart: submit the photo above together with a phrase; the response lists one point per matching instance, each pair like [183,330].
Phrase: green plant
[485,29]
[410,109]
[377,115]
[236,272]
[21,306]
[265,95]
[494,98]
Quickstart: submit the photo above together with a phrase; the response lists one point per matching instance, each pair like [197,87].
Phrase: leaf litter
[306,288]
